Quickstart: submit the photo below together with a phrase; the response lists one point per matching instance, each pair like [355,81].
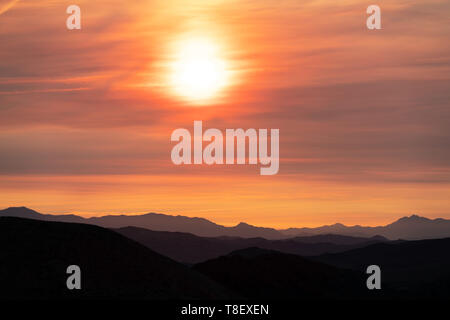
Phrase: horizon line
[101,215]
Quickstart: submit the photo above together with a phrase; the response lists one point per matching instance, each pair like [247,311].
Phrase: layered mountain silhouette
[409,228]
[34,256]
[189,248]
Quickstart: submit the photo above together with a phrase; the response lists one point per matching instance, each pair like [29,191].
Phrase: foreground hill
[34,256]
[265,274]
[409,270]
[189,248]
[408,228]
[414,268]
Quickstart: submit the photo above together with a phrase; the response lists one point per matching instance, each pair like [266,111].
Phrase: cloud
[364,120]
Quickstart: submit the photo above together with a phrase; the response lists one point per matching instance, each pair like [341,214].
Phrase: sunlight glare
[198,72]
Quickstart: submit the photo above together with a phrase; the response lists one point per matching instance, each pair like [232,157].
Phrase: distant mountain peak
[338,224]
[22,210]
[413,218]
[20,207]
[243,224]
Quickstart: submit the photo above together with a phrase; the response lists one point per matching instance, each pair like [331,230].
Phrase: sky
[86,115]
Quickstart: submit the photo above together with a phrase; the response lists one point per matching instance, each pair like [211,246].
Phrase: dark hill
[416,268]
[34,256]
[264,274]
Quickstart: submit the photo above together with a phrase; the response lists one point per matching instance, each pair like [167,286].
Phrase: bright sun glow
[198,72]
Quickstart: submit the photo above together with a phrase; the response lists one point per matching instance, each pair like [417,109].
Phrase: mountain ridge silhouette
[413,227]
[191,249]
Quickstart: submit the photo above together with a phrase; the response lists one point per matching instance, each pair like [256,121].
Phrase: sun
[198,73]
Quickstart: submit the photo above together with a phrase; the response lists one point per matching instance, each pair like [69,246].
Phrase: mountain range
[34,255]
[409,228]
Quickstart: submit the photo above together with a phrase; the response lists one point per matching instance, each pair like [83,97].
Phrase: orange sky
[86,115]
